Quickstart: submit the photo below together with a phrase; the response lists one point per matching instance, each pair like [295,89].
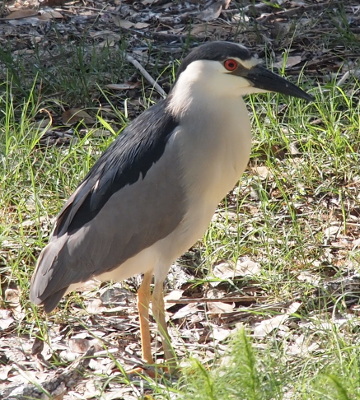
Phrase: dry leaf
[123,86]
[4,372]
[95,306]
[102,133]
[12,296]
[75,115]
[300,347]
[267,326]
[210,30]
[6,319]
[306,276]
[141,25]
[173,295]
[79,345]
[246,267]
[123,23]
[115,295]
[212,10]
[214,293]
[219,333]
[332,231]
[290,62]
[224,271]
[22,14]
[189,309]
[263,171]
[52,14]
[356,243]
[219,307]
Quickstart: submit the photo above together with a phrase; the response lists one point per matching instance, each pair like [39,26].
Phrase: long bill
[262,78]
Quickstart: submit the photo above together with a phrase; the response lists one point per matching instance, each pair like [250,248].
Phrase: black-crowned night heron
[153,192]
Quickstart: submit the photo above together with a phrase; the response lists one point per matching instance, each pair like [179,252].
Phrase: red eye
[230,64]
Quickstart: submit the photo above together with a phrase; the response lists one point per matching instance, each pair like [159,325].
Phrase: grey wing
[131,198]
[131,220]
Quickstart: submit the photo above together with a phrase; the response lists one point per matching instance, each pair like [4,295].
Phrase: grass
[248,372]
[295,212]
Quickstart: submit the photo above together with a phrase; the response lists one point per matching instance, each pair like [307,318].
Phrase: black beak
[262,78]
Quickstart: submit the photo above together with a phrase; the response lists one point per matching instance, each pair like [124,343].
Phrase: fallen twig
[233,299]
[146,75]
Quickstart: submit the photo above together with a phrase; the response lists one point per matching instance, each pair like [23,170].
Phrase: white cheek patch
[248,64]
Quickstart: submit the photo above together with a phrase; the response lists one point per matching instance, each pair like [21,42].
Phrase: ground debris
[54,388]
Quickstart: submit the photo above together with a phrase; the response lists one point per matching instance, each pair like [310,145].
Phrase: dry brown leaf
[219,308]
[22,14]
[79,345]
[290,62]
[214,293]
[115,295]
[51,14]
[294,150]
[75,115]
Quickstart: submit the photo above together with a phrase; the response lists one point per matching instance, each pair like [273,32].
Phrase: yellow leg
[158,309]
[144,296]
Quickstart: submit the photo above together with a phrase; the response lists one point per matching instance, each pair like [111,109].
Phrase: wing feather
[131,198]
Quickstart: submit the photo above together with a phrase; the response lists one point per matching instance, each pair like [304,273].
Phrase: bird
[152,193]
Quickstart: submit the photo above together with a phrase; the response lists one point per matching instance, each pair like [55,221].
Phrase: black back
[125,161]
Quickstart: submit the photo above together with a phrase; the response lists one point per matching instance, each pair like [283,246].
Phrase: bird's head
[227,70]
